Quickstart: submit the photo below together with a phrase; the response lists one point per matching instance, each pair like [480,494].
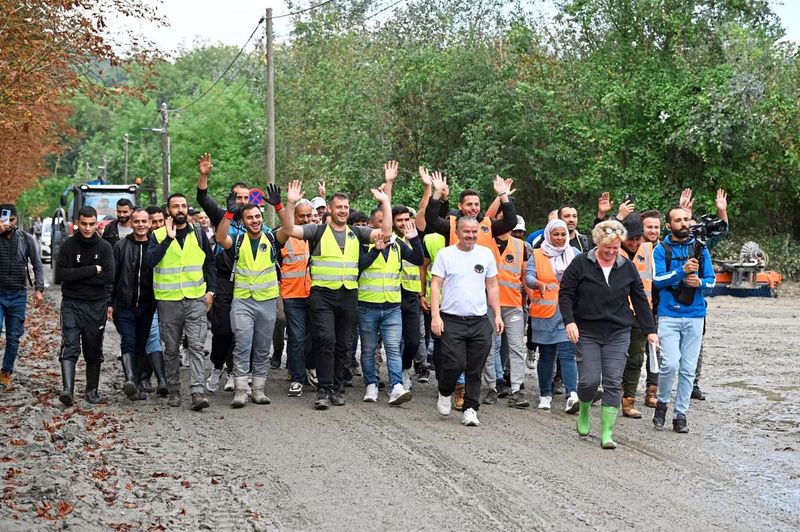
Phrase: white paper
[652,358]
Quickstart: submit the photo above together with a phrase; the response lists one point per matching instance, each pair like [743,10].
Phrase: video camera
[707,227]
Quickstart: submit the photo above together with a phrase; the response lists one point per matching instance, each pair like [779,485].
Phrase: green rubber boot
[583,418]
[608,416]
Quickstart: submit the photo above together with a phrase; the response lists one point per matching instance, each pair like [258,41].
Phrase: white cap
[520,223]
[317,202]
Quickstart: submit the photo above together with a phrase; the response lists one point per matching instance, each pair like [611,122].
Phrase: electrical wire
[300,11]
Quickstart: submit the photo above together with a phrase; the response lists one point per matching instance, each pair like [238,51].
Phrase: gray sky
[230,22]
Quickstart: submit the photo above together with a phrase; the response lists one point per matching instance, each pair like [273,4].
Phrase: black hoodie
[76,268]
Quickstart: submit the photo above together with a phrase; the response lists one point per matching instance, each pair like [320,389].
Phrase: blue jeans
[12,314]
[154,340]
[545,367]
[388,321]
[299,344]
[680,340]
[134,326]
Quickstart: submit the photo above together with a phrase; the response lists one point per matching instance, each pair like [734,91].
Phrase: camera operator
[682,269]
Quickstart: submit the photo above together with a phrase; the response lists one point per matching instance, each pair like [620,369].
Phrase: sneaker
[660,415]
[212,383]
[407,383]
[337,399]
[489,397]
[572,404]
[558,387]
[443,405]
[311,376]
[174,399]
[598,395]
[322,402]
[295,389]
[229,387]
[470,418]
[399,395]
[423,375]
[530,359]
[679,424]
[518,400]
[5,379]
[371,396]
[199,402]
[544,402]
[348,378]
[698,394]
[503,390]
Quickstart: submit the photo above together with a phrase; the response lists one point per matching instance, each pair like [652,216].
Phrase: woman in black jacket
[595,298]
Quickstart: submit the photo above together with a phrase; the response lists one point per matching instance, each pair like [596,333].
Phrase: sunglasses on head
[611,231]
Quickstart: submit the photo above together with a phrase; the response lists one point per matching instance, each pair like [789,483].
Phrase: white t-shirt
[607,271]
[464,274]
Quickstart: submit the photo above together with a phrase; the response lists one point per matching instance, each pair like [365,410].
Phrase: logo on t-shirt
[479,268]
[509,258]
[485,229]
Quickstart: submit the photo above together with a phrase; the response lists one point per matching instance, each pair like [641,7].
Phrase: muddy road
[145,466]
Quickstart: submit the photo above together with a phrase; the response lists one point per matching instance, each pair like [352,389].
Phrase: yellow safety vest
[255,278]
[434,243]
[409,276]
[380,283]
[179,275]
[334,268]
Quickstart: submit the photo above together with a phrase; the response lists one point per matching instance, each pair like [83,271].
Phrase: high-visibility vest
[179,274]
[434,243]
[544,307]
[334,268]
[409,276]
[509,272]
[255,278]
[485,237]
[295,277]
[643,260]
[380,283]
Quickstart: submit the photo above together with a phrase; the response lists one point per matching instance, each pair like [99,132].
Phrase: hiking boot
[259,397]
[697,393]
[240,392]
[399,395]
[470,418]
[443,405]
[650,399]
[5,379]
[572,405]
[518,400]
[371,395]
[660,415]
[295,389]
[212,383]
[174,398]
[458,401]
[544,402]
[322,402]
[679,424]
[608,417]
[558,387]
[199,402]
[489,397]
[629,408]
[337,399]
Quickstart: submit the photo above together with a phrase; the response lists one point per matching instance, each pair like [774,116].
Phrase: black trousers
[409,309]
[83,324]
[333,318]
[465,344]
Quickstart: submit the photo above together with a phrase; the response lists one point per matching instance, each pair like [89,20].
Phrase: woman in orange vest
[543,275]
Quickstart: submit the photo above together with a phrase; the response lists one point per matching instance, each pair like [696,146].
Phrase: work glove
[233,207]
[273,194]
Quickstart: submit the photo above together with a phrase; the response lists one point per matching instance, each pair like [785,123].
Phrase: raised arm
[386,208]
[221,235]
[426,196]
[294,193]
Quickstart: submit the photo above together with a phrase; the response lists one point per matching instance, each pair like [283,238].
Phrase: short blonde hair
[607,232]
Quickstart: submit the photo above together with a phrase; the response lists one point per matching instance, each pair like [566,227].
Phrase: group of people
[460,292]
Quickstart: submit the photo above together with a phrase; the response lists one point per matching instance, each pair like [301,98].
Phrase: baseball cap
[520,223]
[633,225]
[317,202]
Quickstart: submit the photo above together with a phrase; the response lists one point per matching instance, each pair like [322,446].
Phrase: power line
[298,12]
[241,50]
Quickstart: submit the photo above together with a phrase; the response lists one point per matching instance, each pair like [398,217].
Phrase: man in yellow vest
[255,294]
[641,254]
[184,281]
[335,248]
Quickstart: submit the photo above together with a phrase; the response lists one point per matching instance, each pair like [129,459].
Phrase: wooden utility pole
[270,108]
[165,155]
[125,139]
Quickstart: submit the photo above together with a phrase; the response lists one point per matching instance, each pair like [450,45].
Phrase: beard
[180,219]
[123,219]
[680,233]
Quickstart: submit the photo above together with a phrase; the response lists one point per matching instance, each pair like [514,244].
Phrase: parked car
[47,229]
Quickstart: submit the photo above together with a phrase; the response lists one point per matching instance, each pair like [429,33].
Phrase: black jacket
[598,307]
[111,233]
[438,223]
[133,280]
[17,248]
[76,268]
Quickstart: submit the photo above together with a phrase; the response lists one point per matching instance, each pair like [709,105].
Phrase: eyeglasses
[611,231]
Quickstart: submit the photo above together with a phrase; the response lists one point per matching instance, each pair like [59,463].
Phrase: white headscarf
[560,257]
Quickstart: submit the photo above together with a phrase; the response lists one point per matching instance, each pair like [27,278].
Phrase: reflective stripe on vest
[509,274]
[179,274]
[380,283]
[434,243]
[255,278]
[485,237]
[334,268]
[295,275]
[544,307]
[643,260]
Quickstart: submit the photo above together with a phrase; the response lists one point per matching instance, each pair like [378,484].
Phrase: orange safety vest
[295,276]
[544,307]
[509,272]
[484,232]
[643,260]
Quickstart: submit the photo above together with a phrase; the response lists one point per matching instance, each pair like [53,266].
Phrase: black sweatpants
[465,344]
[409,309]
[83,324]
[333,317]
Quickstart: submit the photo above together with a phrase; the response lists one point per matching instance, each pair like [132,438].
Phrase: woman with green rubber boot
[599,294]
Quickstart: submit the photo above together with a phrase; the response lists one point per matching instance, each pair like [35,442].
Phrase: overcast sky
[232,21]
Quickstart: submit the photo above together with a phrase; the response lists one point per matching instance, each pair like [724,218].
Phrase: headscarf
[560,257]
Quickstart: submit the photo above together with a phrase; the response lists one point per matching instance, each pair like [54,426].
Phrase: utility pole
[165,155]
[270,107]
[125,139]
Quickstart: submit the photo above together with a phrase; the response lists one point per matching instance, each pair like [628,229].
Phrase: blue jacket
[665,279]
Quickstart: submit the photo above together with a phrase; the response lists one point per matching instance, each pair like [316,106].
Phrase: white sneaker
[212,383]
[572,403]
[407,382]
[398,395]
[443,405]
[229,386]
[184,357]
[311,375]
[470,418]
[544,402]
[372,393]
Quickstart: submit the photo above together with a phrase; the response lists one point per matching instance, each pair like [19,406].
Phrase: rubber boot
[157,362]
[584,424]
[258,396]
[129,369]
[93,383]
[145,373]
[68,382]
[608,417]
[239,392]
